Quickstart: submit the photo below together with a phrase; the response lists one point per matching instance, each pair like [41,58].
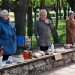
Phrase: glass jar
[30,54]
[26,54]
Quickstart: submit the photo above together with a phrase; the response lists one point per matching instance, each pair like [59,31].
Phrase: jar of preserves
[30,54]
[26,54]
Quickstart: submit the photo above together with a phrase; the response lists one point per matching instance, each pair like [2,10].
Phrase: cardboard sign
[58,56]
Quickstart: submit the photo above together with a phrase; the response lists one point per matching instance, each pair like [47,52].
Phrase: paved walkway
[64,70]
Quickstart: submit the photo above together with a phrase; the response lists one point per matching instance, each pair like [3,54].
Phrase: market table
[35,66]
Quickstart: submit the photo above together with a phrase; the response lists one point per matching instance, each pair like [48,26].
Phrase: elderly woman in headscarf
[42,31]
[70,29]
[7,35]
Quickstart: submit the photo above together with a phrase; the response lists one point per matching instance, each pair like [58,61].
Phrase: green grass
[62,31]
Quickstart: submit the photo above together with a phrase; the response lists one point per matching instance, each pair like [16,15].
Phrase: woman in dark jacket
[7,35]
[42,31]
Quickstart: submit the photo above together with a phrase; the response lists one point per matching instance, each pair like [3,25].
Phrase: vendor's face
[43,17]
[6,17]
[72,16]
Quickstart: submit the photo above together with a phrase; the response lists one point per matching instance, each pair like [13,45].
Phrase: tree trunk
[20,17]
[57,15]
[20,22]
[20,11]
[68,11]
[42,4]
[29,22]
[34,9]
[59,10]
[65,12]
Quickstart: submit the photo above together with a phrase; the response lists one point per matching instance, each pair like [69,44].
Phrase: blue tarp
[20,41]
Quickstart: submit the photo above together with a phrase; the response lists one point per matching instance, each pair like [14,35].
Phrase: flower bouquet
[1,53]
[1,56]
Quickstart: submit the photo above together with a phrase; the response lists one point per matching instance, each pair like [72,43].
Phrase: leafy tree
[72,4]
[5,4]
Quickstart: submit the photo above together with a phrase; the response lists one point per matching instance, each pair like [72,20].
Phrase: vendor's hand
[47,21]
